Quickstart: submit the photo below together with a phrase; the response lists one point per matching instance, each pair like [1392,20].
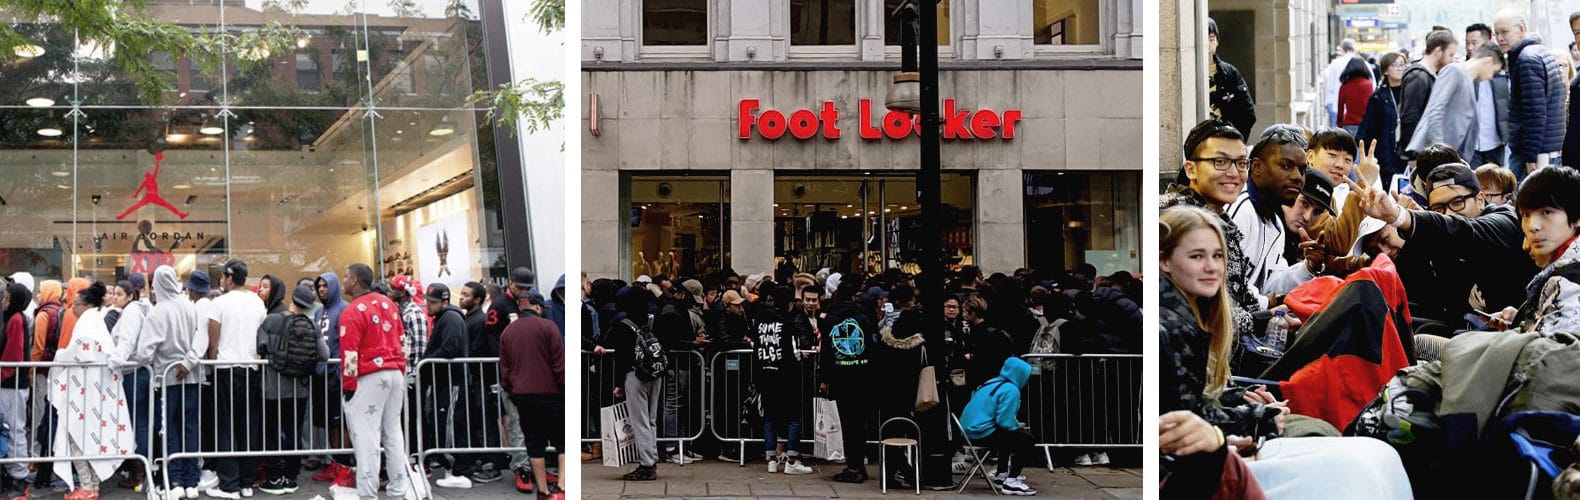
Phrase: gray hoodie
[171,331]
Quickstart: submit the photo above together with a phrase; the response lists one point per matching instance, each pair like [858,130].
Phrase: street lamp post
[924,15]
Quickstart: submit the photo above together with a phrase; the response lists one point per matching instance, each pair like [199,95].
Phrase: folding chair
[979,457]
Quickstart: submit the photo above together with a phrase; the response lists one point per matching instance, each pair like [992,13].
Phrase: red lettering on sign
[867,130]
[955,121]
[982,124]
[747,105]
[830,118]
[803,124]
[1010,117]
[772,124]
[896,125]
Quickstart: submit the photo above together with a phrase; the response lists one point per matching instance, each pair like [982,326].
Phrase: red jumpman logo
[150,186]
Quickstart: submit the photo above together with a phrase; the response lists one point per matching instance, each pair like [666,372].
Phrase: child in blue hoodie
[989,420]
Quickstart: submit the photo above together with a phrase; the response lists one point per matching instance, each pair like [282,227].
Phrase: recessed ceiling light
[27,50]
[60,173]
[62,186]
[40,102]
[50,131]
[181,186]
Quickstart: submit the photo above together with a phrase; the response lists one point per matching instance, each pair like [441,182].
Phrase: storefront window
[1080,217]
[864,223]
[674,22]
[294,173]
[822,22]
[679,225]
[1065,22]
[892,27]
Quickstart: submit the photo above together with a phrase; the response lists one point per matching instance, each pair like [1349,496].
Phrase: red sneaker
[346,478]
[329,472]
[523,481]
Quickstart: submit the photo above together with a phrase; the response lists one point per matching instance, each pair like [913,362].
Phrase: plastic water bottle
[1277,331]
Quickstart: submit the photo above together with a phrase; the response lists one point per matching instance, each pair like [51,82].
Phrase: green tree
[529,104]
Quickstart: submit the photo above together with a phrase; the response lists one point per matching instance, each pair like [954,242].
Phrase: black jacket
[849,337]
[1231,99]
[622,340]
[731,332]
[1115,324]
[481,343]
[1380,124]
[1536,100]
[1414,90]
[1487,251]
[990,346]
[1572,134]
[448,340]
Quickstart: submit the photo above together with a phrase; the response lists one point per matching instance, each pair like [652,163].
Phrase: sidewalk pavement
[712,478]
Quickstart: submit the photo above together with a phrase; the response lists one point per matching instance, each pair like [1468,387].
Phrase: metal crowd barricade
[679,420]
[1083,401]
[733,374]
[216,433]
[462,407]
[39,418]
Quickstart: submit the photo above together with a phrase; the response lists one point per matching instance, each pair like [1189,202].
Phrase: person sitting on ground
[1549,204]
[1195,347]
[1497,184]
[989,418]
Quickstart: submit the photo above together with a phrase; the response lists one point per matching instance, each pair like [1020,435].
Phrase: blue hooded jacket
[555,309]
[994,405]
[328,318]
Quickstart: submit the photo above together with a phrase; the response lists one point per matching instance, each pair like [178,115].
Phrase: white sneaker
[191,492]
[1100,458]
[681,459]
[219,493]
[1083,459]
[246,492]
[210,480]
[797,469]
[959,466]
[1017,486]
[773,466]
[453,481]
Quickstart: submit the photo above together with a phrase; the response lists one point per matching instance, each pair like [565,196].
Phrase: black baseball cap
[1318,190]
[521,276]
[236,270]
[438,292]
[1453,174]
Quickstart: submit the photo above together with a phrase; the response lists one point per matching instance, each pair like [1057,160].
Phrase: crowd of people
[863,339]
[1323,290]
[267,377]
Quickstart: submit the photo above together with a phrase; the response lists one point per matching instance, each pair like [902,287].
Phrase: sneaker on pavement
[210,480]
[679,459]
[219,493]
[191,492]
[849,475]
[725,457]
[246,492]
[1100,458]
[642,473]
[485,475]
[345,477]
[1015,486]
[797,468]
[278,486]
[773,466]
[452,481]
[1083,459]
[960,467]
[328,473]
[524,480]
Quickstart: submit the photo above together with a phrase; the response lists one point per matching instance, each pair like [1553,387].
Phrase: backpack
[52,339]
[651,361]
[295,353]
[1046,341]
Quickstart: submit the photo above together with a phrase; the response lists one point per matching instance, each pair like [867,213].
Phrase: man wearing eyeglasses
[1468,242]
[1211,177]
[1278,173]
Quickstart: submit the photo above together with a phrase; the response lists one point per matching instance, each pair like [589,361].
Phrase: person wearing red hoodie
[373,379]
[1355,91]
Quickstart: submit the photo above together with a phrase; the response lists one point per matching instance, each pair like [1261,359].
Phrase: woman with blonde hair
[1203,420]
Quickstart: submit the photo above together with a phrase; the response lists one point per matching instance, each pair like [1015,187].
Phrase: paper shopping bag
[828,441]
[619,445]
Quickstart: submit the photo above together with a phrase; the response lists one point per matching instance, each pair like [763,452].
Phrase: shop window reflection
[865,223]
[1071,218]
[679,226]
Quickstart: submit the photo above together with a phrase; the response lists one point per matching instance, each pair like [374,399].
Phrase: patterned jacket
[1183,373]
[1553,297]
[1241,293]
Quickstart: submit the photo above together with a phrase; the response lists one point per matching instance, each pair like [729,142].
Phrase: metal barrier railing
[1083,401]
[1071,401]
[677,421]
[736,370]
[466,413]
[240,420]
[74,386]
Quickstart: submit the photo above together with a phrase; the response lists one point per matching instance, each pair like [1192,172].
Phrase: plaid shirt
[415,340]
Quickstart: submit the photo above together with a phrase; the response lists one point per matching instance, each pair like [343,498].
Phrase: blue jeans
[791,438]
[181,423]
[136,386]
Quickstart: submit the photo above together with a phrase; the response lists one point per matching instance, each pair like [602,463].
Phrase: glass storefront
[865,223]
[1076,217]
[356,147]
[679,224]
